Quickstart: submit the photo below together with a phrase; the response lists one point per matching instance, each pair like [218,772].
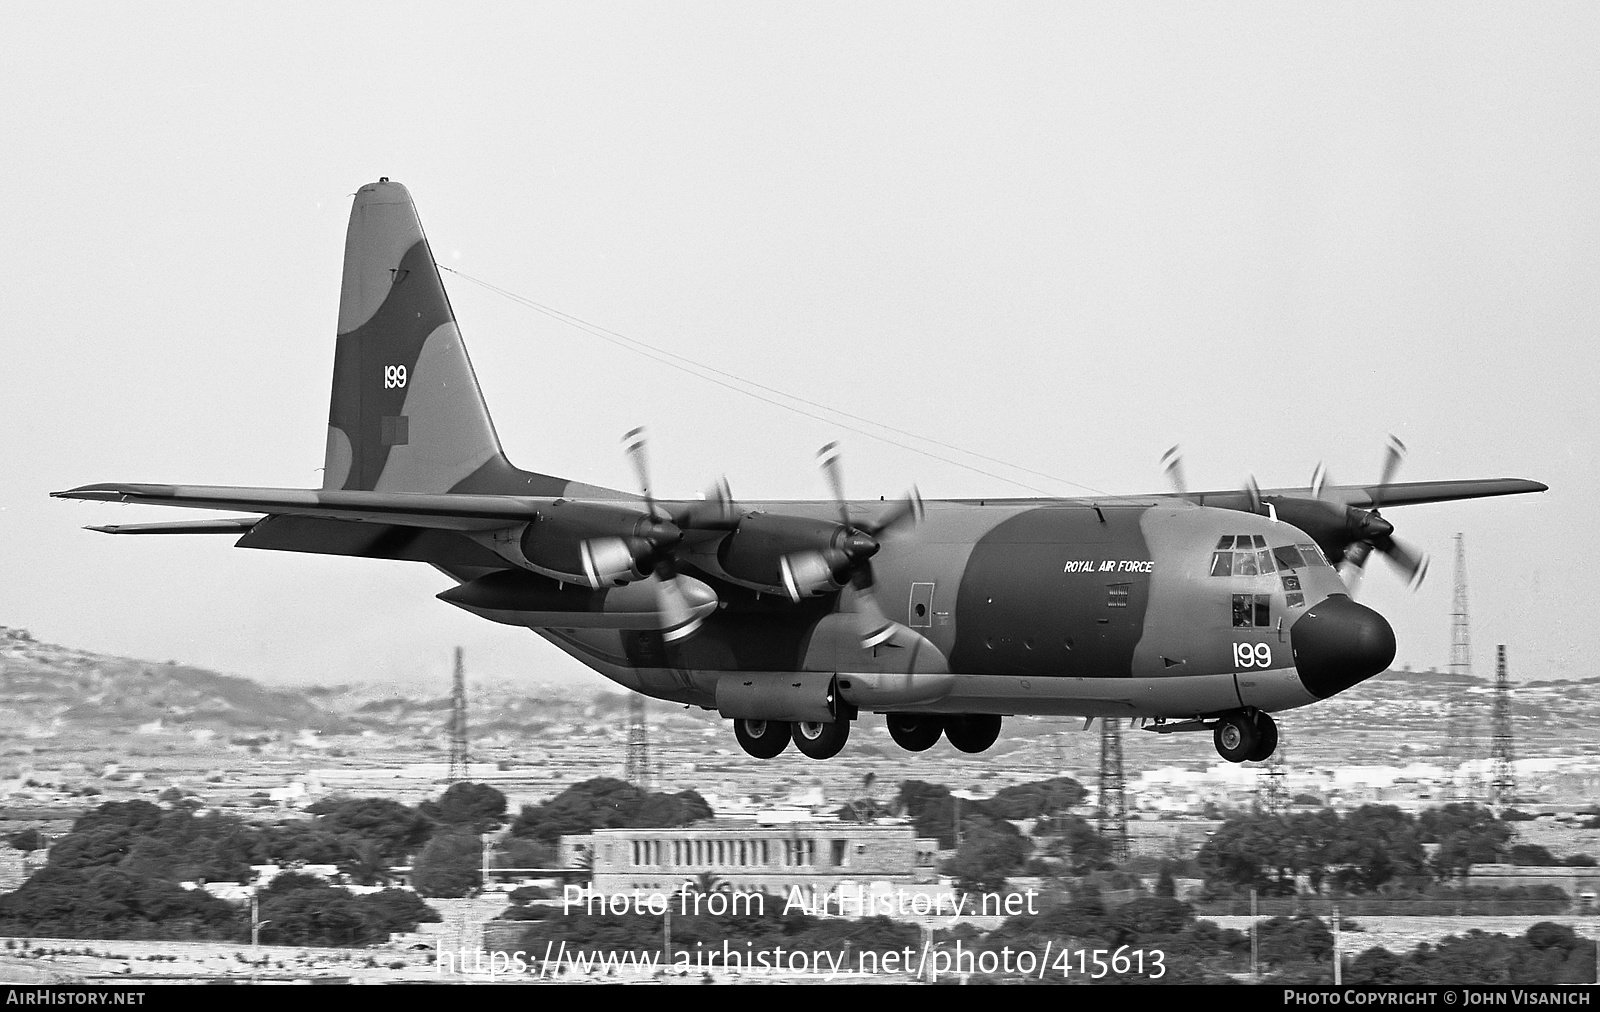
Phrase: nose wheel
[1246,736]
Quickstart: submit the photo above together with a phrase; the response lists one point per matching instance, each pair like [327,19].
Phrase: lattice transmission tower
[1502,776]
[1272,782]
[636,766]
[1461,727]
[1113,813]
[459,762]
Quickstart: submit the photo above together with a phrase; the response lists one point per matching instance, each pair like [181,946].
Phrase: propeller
[1348,534]
[860,544]
[1172,464]
[715,511]
[1375,534]
[681,620]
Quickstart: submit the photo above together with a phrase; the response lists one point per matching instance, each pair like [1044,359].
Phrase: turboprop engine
[596,544]
[792,555]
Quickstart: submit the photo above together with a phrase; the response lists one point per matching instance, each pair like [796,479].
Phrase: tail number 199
[394,376]
[1252,655]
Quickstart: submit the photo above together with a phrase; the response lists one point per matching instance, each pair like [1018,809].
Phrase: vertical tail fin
[407,414]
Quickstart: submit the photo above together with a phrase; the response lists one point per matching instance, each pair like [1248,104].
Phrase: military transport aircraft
[1190,611]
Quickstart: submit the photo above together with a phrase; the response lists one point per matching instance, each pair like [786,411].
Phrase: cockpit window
[1313,555]
[1288,557]
[1249,556]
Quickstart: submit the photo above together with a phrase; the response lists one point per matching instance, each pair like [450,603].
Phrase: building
[747,856]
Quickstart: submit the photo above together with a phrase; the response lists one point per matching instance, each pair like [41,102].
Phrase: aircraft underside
[815,708]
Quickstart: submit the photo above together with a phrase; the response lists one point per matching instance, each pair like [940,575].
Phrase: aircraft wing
[1404,493]
[407,509]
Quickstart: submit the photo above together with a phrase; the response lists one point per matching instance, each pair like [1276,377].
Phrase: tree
[397,910]
[466,807]
[1036,800]
[986,857]
[450,865]
[1378,846]
[27,841]
[395,830]
[1466,834]
[607,803]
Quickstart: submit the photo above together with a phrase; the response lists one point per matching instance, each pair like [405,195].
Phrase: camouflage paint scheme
[1005,606]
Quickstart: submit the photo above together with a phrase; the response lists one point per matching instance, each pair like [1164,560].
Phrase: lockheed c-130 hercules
[1192,611]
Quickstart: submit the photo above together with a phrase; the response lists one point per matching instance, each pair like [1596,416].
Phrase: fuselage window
[1252,610]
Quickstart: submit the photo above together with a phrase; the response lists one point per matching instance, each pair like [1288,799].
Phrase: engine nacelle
[791,555]
[596,544]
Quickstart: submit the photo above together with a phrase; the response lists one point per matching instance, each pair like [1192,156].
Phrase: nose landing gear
[1248,735]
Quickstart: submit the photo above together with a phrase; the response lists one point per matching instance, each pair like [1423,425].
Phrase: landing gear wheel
[972,732]
[821,741]
[915,732]
[1267,735]
[762,738]
[1236,736]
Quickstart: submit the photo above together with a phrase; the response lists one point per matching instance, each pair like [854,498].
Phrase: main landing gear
[915,732]
[969,732]
[766,739]
[763,739]
[1246,736]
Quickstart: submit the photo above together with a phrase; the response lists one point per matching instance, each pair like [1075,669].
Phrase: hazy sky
[1063,235]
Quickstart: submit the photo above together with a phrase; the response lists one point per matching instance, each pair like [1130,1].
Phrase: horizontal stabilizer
[233,525]
[441,510]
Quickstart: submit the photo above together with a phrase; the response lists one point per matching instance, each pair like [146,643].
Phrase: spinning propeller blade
[680,619]
[862,543]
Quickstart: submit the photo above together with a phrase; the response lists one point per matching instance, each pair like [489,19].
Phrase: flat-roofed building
[747,856]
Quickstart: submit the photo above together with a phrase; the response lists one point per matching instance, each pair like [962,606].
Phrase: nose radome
[1339,643]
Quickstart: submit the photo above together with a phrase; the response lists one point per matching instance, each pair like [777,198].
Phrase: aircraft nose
[1339,643]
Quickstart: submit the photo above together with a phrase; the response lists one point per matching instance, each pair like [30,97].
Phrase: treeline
[1374,849]
[118,873]
[601,803]
[990,847]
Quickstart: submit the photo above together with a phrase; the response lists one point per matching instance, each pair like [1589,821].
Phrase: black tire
[821,741]
[1266,737]
[763,739]
[915,732]
[972,732]
[1235,736]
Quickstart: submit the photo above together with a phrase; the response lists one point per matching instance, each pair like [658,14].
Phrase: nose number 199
[1252,655]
